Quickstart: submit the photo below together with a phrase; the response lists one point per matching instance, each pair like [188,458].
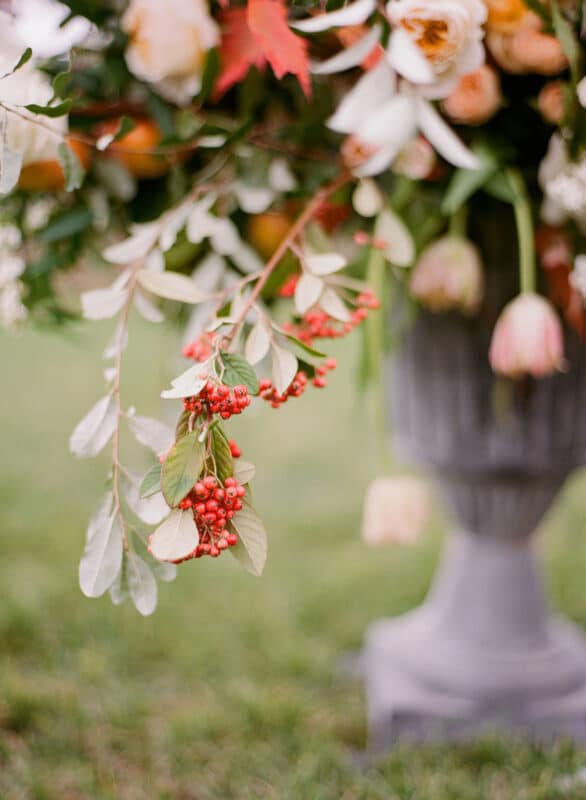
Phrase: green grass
[230,690]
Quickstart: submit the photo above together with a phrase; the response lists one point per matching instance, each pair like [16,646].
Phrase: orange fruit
[266,231]
[47,176]
[134,150]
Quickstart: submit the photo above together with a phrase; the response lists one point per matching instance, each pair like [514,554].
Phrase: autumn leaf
[239,50]
[258,34]
[284,50]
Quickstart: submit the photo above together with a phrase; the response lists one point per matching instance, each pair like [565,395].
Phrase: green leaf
[310,351]
[182,426]
[66,225]
[222,454]
[51,111]
[25,57]
[210,73]
[60,83]
[237,371]
[251,550]
[72,168]
[151,483]
[500,187]
[466,182]
[182,468]
[564,32]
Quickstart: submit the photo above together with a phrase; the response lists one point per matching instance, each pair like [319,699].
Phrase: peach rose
[505,16]
[476,98]
[538,52]
[551,102]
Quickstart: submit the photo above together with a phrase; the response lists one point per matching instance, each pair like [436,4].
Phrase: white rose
[35,140]
[168,44]
[446,33]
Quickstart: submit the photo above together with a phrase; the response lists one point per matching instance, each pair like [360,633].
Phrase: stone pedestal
[483,651]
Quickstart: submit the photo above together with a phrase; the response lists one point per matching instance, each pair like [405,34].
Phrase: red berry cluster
[213,506]
[288,288]
[234,449]
[297,386]
[217,398]
[201,349]
[316,324]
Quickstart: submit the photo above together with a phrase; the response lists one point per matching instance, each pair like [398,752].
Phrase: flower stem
[525,231]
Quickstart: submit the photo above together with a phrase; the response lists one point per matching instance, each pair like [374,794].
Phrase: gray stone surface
[483,651]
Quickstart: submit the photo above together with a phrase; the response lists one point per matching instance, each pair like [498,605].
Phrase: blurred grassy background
[230,690]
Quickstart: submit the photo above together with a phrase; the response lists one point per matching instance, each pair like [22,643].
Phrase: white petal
[333,305]
[246,259]
[225,238]
[390,228]
[280,177]
[307,292]
[370,92]
[353,14]
[404,55]
[367,199]
[136,246]
[324,263]
[391,125]
[253,199]
[351,56]
[443,138]
[379,162]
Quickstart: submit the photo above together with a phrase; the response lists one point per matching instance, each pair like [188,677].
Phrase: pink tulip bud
[528,338]
[449,276]
[396,510]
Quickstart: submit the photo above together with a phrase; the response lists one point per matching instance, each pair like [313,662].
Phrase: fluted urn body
[483,651]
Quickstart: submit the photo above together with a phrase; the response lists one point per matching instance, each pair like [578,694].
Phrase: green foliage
[151,483]
[222,454]
[182,468]
[237,371]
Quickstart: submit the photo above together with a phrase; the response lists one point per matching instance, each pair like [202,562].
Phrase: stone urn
[483,652]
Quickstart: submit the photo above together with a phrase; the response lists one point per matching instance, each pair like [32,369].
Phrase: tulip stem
[525,231]
[459,222]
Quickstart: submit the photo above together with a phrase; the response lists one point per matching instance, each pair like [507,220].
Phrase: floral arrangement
[262,172]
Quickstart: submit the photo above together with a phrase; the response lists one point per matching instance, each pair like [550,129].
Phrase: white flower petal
[332,304]
[400,247]
[367,199]
[324,263]
[307,292]
[443,138]
[351,56]
[353,14]
[404,56]
[370,92]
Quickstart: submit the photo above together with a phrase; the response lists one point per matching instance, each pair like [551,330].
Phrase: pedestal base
[420,687]
[480,654]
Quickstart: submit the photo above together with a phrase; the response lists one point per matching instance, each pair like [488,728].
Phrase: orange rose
[551,102]
[505,16]
[476,98]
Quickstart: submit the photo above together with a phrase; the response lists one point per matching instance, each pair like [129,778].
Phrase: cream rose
[34,140]
[168,44]
[447,33]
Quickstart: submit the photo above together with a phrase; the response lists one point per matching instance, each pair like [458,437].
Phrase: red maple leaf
[239,50]
[284,51]
[256,34]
